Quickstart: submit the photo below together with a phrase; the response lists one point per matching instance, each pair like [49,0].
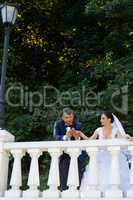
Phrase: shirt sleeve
[66,138]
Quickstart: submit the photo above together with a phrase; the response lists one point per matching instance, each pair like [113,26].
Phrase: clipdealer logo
[86,97]
[121,93]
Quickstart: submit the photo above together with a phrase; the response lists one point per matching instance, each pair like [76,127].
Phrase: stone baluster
[92,190]
[114,191]
[16,177]
[130,192]
[34,178]
[4,162]
[54,178]
[5,137]
[73,175]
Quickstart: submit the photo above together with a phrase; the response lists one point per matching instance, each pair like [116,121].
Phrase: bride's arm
[93,137]
[126,136]
[83,136]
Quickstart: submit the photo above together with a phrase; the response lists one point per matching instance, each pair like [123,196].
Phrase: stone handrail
[55,149]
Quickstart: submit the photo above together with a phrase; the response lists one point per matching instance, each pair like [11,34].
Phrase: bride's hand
[128,137]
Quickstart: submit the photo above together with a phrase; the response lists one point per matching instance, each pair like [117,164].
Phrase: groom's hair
[68,111]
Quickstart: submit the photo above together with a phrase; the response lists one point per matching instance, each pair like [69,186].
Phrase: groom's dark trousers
[64,161]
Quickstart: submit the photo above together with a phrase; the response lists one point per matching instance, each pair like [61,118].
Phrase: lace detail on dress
[100,133]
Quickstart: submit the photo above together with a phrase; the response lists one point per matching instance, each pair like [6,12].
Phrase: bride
[111,128]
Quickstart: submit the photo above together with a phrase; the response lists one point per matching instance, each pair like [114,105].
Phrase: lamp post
[9,14]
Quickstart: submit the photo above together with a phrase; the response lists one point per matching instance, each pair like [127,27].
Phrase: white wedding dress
[104,163]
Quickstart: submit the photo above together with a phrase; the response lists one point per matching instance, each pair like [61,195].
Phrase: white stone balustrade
[5,136]
[16,178]
[92,187]
[55,149]
[73,176]
[33,179]
[114,191]
[130,192]
[53,180]
[4,161]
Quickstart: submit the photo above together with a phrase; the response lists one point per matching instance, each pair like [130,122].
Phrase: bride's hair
[109,115]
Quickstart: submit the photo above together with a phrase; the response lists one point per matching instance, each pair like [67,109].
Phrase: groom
[67,129]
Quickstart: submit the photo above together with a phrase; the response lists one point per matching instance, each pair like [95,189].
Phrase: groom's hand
[76,134]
